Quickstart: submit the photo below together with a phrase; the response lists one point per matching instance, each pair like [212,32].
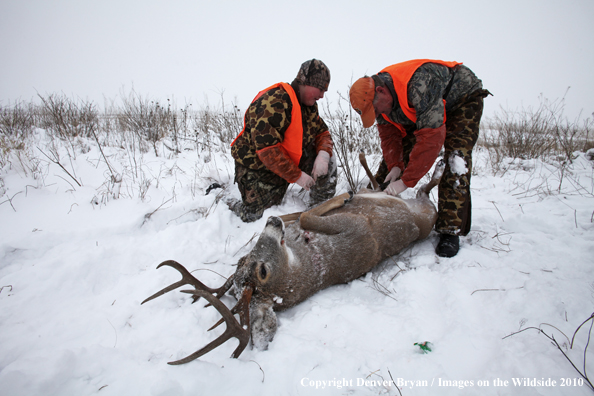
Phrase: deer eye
[263,273]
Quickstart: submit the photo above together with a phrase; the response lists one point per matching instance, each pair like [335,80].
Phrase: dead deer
[298,255]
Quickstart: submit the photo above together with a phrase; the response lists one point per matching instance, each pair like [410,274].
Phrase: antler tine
[189,279]
[234,329]
[241,308]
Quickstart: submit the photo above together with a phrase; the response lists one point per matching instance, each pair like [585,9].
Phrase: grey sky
[195,50]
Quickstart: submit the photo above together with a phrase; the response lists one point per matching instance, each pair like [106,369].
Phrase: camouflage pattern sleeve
[425,94]
[427,88]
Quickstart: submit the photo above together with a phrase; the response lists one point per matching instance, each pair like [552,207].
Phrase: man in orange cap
[420,106]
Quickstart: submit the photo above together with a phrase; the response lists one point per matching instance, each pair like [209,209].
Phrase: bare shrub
[135,124]
[146,118]
[215,129]
[17,120]
[67,119]
[524,134]
[180,127]
[17,123]
[534,133]
[230,122]
[573,136]
[350,139]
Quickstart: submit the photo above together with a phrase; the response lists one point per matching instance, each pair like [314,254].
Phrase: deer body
[334,243]
[288,265]
[321,251]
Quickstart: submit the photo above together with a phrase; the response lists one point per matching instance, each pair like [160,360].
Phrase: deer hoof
[350,198]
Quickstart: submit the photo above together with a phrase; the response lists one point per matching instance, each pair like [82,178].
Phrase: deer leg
[321,209]
[337,202]
[363,162]
[309,219]
[435,178]
[290,218]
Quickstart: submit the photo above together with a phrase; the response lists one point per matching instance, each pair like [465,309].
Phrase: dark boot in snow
[236,206]
[448,245]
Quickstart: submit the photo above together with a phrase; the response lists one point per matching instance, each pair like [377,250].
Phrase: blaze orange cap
[361,94]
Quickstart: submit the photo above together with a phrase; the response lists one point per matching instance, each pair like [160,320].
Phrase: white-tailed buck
[299,255]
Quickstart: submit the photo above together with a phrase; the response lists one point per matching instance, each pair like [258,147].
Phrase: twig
[394,382]
[263,376]
[484,290]
[60,165]
[584,375]
[148,215]
[382,289]
[66,181]
[208,269]
[515,288]
[567,338]
[2,288]
[10,200]
[27,188]
[579,327]
[247,243]
[493,202]
[587,345]
[199,211]
[116,334]
[101,151]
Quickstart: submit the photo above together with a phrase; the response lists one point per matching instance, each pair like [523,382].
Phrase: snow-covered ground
[75,263]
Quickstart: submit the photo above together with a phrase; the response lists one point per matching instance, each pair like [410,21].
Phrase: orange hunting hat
[362,93]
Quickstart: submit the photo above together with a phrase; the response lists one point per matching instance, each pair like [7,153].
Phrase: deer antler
[239,330]
[189,279]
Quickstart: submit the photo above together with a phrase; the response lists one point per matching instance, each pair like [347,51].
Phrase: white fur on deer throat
[292,259]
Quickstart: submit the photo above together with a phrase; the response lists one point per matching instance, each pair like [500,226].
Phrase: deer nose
[274,222]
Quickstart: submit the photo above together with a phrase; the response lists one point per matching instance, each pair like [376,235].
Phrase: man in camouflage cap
[420,106]
[284,141]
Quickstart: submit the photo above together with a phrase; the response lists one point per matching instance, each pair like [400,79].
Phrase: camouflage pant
[454,200]
[261,189]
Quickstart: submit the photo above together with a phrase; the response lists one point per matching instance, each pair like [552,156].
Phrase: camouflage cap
[314,73]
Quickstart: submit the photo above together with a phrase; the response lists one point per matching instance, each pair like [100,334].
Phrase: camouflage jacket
[427,89]
[266,121]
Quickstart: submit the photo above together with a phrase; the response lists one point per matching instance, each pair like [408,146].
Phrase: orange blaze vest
[401,74]
[293,141]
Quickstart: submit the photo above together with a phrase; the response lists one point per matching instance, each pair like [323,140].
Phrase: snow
[73,275]
[457,165]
